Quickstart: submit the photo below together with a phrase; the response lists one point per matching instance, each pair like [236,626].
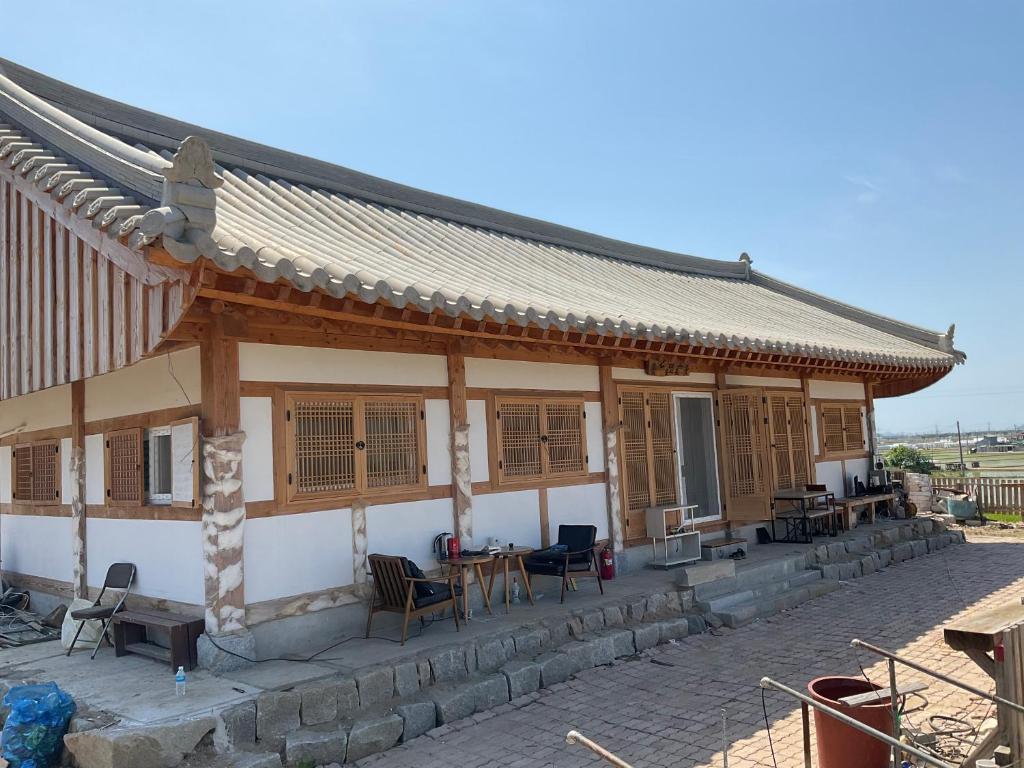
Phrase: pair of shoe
[739,554]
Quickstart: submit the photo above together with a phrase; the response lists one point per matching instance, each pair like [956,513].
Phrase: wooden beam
[462,477]
[78,511]
[610,430]
[220,383]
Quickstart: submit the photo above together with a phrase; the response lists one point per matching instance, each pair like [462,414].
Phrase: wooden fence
[996,494]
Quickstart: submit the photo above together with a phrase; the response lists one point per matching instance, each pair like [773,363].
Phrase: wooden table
[465,566]
[132,630]
[504,559]
[798,520]
[852,502]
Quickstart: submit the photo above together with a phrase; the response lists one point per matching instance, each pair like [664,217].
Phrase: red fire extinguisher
[607,564]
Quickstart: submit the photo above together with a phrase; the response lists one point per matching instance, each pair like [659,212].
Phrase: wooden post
[869,397]
[612,424]
[462,478]
[223,502]
[77,466]
[810,412]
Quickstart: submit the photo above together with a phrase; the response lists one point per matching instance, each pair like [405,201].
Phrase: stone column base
[218,659]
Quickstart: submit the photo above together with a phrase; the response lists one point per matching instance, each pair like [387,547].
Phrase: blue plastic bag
[33,735]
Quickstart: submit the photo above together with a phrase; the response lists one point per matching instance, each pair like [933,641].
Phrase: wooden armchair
[573,556]
[400,591]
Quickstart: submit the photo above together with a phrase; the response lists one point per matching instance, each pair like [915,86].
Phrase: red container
[607,564]
[839,745]
[453,548]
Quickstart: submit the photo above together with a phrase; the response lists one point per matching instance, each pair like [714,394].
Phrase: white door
[697,455]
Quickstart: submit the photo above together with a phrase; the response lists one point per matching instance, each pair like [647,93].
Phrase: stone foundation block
[622,642]
[449,665]
[612,616]
[657,605]
[319,704]
[858,546]
[452,704]
[849,571]
[604,650]
[697,624]
[229,654]
[376,686]
[368,737]
[674,629]
[902,551]
[592,620]
[830,572]
[407,679]
[532,641]
[636,609]
[490,692]
[256,760]
[919,548]
[523,677]
[836,550]
[701,574]
[884,558]
[417,718]
[490,655]
[316,747]
[154,746]
[646,636]
[554,668]
[277,715]
[236,727]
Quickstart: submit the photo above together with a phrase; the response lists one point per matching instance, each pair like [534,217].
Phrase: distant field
[991,463]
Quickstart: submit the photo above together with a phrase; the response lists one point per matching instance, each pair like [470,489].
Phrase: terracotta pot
[839,745]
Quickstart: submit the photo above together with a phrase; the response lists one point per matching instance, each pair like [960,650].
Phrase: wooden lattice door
[745,460]
[787,429]
[648,455]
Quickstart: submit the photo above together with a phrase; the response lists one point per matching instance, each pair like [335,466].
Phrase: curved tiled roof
[320,226]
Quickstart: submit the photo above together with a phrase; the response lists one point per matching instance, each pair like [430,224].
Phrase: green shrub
[909,458]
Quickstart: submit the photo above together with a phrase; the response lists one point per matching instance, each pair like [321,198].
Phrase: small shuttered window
[539,438]
[842,430]
[36,473]
[343,445]
[124,464]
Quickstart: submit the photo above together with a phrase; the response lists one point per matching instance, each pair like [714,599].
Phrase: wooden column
[869,413]
[77,466]
[611,424]
[810,412]
[462,478]
[223,502]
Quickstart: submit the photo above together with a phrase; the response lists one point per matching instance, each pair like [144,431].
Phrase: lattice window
[663,453]
[340,445]
[124,466]
[798,441]
[539,438]
[788,439]
[35,470]
[741,414]
[842,430]
[634,450]
[649,463]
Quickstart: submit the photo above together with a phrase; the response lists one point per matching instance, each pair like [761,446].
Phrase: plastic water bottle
[515,590]
[179,682]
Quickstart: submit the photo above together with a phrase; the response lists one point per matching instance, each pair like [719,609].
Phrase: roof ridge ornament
[745,258]
[946,340]
[187,214]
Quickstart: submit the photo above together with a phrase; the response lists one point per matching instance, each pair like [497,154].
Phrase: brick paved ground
[651,714]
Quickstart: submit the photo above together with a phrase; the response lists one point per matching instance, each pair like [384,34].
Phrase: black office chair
[119,576]
[572,556]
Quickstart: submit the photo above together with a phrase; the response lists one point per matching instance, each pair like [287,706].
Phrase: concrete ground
[664,709]
[138,690]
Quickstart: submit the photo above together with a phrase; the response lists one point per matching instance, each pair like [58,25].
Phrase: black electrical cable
[768,728]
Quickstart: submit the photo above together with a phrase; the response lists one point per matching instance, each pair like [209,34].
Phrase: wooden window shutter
[778,423]
[518,434]
[663,455]
[123,466]
[564,437]
[833,439]
[21,471]
[393,455]
[321,445]
[853,428]
[185,462]
[741,414]
[634,456]
[798,440]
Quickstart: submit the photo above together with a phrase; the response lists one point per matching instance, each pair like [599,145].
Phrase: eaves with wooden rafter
[282,233]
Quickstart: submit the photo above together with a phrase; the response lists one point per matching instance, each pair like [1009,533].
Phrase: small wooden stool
[131,635]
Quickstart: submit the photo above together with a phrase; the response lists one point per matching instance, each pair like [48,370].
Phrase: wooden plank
[156,315]
[75,310]
[982,630]
[48,305]
[119,318]
[545,519]
[61,304]
[37,276]
[25,300]
[14,294]
[89,312]
[103,314]
[882,694]
[137,322]
[5,303]
[220,383]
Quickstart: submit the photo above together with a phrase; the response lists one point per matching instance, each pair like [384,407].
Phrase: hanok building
[244,370]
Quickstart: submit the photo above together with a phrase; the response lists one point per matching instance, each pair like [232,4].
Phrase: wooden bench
[717,544]
[853,502]
[133,630]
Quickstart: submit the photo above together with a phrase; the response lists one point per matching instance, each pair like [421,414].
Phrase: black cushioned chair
[572,556]
[402,588]
[119,576]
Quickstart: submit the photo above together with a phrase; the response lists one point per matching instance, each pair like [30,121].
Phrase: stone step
[762,591]
[749,575]
[745,612]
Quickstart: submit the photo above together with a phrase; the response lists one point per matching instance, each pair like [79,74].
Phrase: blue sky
[867,150]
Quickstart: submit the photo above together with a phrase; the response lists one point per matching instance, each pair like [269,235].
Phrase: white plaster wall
[408,529]
[512,517]
[439,435]
[258,450]
[858,467]
[480,468]
[830,474]
[45,409]
[36,545]
[65,470]
[318,365]
[595,438]
[168,555]
[843,390]
[638,374]
[578,504]
[5,474]
[149,385]
[94,480]
[762,381]
[294,554]
[519,374]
